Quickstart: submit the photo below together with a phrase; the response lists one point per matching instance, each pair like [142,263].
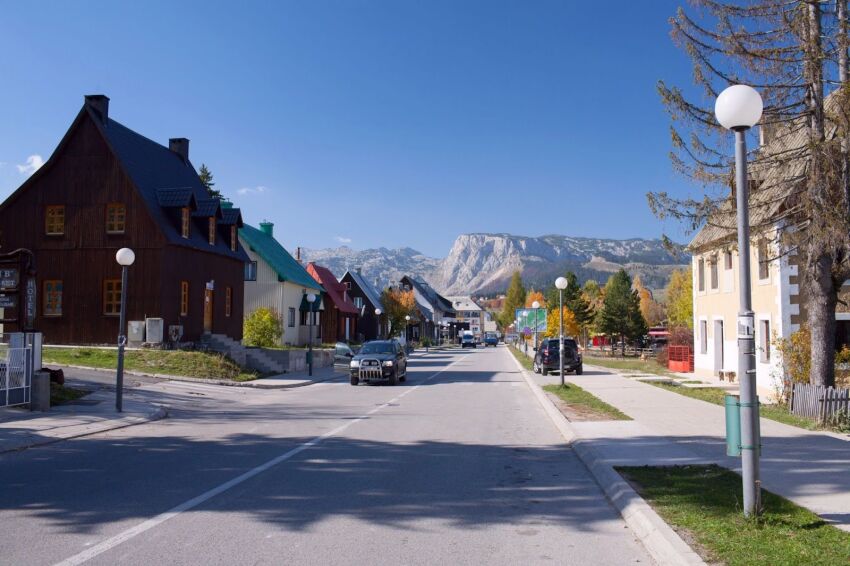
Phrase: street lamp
[378,314]
[311,300]
[561,284]
[535,305]
[125,258]
[738,108]
[406,328]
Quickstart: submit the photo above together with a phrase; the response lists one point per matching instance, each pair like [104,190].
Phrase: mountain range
[484,263]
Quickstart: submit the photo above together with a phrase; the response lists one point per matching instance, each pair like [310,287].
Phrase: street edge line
[659,539]
[157,520]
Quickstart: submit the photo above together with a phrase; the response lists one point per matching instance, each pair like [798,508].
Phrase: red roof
[336,291]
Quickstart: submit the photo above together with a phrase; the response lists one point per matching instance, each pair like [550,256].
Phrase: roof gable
[335,290]
[372,294]
[280,260]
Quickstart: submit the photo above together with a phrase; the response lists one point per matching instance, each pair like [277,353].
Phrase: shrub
[662,357]
[262,328]
[681,336]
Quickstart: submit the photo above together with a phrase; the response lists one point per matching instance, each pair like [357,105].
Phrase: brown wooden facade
[87,176]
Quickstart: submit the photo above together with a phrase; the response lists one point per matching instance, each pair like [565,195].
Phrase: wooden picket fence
[818,402]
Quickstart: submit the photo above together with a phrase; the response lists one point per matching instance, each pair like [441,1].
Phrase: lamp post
[125,258]
[378,315]
[536,306]
[561,284]
[311,300]
[406,328]
[738,108]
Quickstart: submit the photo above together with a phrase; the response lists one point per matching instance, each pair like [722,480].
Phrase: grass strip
[779,413]
[575,396]
[705,502]
[207,365]
[634,365]
[60,394]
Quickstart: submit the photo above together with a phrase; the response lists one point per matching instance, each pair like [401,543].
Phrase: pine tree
[620,315]
[514,299]
[794,52]
[206,177]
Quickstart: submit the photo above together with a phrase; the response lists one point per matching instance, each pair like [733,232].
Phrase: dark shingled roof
[372,294]
[153,167]
[231,216]
[208,207]
[175,198]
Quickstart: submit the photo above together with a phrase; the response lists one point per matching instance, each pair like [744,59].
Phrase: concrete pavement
[807,467]
[458,465]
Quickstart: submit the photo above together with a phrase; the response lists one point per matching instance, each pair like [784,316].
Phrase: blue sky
[371,123]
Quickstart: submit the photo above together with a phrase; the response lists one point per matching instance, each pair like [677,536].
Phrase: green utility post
[733,425]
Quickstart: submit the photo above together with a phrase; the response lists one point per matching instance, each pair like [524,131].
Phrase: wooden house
[366,299]
[339,319]
[433,311]
[107,187]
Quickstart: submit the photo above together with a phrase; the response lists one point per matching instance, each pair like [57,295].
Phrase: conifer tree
[620,315]
[206,177]
[514,299]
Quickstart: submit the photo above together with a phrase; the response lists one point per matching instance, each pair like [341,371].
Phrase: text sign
[29,305]
[8,301]
[746,326]
[9,278]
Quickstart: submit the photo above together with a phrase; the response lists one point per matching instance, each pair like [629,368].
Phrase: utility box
[135,332]
[154,330]
[733,425]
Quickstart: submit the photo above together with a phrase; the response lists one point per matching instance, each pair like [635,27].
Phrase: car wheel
[535,367]
[580,370]
[545,371]
[403,377]
[355,380]
[394,377]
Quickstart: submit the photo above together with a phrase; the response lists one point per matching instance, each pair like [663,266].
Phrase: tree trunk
[821,300]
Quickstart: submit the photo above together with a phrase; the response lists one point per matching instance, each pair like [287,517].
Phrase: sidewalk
[294,379]
[809,468]
[94,413]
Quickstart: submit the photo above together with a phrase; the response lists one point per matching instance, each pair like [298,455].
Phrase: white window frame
[703,336]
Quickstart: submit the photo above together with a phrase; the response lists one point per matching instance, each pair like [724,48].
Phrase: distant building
[339,318]
[366,299]
[277,281]
[434,312]
[470,316]
[107,187]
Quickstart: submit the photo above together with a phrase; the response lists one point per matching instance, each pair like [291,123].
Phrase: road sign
[529,319]
[9,278]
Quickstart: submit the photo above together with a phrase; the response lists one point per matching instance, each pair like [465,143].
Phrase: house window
[703,337]
[52,298]
[211,235]
[712,267]
[228,301]
[233,238]
[54,220]
[116,218]
[358,302]
[764,341]
[727,260]
[184,298]
[291,319]
[111,296]
[251,271]
[307,317]
[701,275]
[764,266]
[184,221]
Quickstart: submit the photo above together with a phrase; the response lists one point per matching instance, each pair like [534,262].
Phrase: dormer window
[212,230]
[233,238]
[185,215]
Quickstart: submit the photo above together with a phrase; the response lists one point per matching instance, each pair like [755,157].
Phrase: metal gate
[16,369]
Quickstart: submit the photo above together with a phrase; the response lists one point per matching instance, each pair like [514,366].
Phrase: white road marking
[132,532]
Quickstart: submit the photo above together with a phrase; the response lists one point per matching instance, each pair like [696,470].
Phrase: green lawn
[575,396]
[778,413]
[705,501]
[207,365]
[60,394]
[524,360]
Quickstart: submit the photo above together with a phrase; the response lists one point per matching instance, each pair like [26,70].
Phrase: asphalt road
[459,465]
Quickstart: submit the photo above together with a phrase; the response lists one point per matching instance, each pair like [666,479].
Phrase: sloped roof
[230,216]
[152,167]
[176,198]
[280,260]
[208,207]
[781,167]
[334,289]
[371,293]
[464,303]
[434,301]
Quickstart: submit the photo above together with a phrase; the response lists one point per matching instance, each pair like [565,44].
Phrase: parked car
[379,361]
[491,339]
[467,340]
[342,353]
[547,357]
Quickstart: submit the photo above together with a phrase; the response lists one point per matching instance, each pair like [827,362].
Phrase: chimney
[226,204]
[100,104]
[267,228]
[298,254]
[180,146]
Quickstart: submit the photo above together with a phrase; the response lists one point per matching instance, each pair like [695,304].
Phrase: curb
[159,413]
[662,543]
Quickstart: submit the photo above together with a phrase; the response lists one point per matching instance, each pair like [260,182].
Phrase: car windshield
[377,348]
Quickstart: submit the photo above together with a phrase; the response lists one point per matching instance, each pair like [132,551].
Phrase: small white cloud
[342,239]
[251,190]
[33,164]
